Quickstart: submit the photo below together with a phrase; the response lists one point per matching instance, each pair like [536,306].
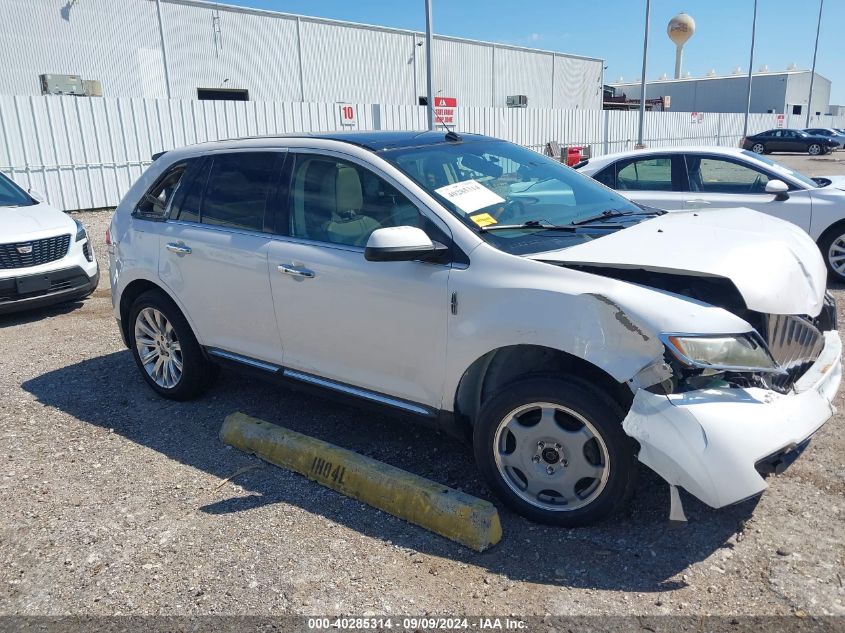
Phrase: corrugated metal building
[273,56]
[777,92]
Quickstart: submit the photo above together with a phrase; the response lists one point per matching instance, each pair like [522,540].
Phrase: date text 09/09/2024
[412,623]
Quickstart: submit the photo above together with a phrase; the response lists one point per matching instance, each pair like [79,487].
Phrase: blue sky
[612,30]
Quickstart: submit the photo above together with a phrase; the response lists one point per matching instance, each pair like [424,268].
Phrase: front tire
[165,349]
[553,450]
[814,150]
[832,246]
[758,148]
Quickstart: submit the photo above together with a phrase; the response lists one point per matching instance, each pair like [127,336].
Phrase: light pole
[163,48]
[750,69]
[642,82]
[813,73]
[429,65]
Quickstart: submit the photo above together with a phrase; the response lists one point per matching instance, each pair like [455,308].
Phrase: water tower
[680,29]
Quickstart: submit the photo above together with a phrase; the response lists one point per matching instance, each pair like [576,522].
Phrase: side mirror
[403,244]
[36,195]
[779,188]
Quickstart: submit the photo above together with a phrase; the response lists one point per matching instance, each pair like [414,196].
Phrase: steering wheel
[513,213]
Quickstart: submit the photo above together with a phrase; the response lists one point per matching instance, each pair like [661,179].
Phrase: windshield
[489,183]
[13,196]
[805,180]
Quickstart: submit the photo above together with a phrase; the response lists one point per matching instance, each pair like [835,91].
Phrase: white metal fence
[85,153]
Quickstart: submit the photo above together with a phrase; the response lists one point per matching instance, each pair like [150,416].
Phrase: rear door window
[645,174]
[238,189]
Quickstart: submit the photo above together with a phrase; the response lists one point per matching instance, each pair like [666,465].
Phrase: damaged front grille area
[795,343]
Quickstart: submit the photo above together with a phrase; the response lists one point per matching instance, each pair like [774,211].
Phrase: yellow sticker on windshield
[483,219]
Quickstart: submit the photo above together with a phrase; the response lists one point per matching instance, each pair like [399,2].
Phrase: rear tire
[814,149]
[553,450]
[758,148]
[165,349]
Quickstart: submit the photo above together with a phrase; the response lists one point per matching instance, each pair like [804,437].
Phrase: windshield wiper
[604,215]
[530,224]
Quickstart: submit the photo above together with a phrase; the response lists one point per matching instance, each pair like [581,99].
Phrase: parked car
[716,177]
[782,140]
[831,133]
[45,256]
[396,269]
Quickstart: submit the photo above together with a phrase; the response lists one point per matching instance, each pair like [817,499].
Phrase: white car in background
[45,255]
[683,178]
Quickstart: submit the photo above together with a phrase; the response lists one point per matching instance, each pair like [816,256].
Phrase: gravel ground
[118,502]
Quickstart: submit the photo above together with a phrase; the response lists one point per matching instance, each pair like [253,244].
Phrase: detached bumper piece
[714,442]
[35,291]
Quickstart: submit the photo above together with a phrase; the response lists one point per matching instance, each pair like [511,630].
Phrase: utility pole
[163,48]
[429,61]
[813,73]
[750,69]
[640,144]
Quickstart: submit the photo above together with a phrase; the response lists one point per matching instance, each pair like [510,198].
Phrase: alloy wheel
[551,456]
[158,348]
[758,148]
[836,255]
[814,150]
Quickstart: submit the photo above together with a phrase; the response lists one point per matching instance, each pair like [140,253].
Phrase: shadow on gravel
[36,314]
[636,551]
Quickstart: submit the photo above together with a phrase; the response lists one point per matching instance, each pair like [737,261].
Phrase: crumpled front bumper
[708,441]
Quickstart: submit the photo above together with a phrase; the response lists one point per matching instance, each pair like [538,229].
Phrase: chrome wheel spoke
[158,348]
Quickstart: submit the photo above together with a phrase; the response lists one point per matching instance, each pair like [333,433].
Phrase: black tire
[826,241]
[758,148]
[197,371]
[814,149]
[603,413]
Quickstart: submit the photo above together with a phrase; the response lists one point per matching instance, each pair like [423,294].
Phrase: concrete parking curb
[451,513]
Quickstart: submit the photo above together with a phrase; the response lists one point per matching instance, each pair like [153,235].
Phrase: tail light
[108,237]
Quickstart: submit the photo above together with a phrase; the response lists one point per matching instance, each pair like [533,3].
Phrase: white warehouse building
[783,92]
[119,48]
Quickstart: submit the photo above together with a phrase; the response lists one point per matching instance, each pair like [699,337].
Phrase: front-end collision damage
[708,441]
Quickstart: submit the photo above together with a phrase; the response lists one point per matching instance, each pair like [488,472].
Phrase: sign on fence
[348,116]
[444,110]
[696,118]
[781,120]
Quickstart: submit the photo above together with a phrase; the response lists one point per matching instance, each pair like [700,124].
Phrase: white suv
[492,292]
[45,256]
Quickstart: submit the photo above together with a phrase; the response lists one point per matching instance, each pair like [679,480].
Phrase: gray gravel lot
[117,502]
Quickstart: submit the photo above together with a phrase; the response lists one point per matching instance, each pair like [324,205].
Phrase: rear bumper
[712,442]
[66,284]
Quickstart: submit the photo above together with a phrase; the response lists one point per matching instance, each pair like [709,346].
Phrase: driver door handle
[295,271]
[179,249]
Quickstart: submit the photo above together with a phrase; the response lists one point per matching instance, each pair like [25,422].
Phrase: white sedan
[680,178]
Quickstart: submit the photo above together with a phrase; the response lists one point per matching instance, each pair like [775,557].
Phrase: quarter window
[155,201]
[333,200]
[648,174]
[722,176]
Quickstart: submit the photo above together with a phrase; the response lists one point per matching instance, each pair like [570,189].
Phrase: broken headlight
[722,352]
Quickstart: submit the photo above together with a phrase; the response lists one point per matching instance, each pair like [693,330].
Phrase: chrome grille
[34,252]
[795,343]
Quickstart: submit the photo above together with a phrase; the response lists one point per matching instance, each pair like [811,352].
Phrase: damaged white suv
[492,292]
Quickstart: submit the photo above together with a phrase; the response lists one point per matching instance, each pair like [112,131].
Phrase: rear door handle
[699,202]
[295,272]
[179,249]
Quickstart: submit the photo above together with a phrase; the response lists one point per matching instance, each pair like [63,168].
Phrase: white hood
[775,265]
[21,223]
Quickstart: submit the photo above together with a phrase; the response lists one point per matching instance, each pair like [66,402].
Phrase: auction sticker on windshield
[469,195]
